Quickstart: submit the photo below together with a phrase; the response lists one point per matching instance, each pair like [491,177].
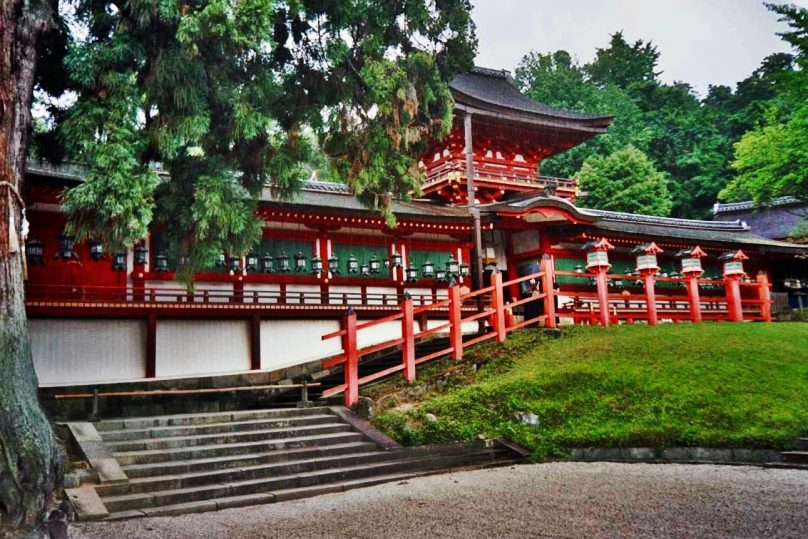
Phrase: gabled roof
[731,207]
[649,226]
[494,91]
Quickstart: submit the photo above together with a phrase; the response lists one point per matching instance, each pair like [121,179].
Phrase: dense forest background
[732,144]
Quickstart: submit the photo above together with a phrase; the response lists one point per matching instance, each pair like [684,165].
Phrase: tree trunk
[30,458]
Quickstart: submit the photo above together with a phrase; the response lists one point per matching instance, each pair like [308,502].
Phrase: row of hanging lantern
[35,251]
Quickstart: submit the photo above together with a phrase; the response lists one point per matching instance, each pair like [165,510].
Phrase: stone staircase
[206,461]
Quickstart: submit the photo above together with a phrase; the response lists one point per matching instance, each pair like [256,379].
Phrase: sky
[701,42]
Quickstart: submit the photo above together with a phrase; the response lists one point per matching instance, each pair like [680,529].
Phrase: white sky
[701,41]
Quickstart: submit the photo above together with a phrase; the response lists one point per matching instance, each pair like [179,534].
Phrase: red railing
[496,319]
[485,169]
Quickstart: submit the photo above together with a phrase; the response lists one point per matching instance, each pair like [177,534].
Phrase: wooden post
[733,290]
[151,345]
[694,298]
[650,296]
[764,294]
[455,323]
[498,305]
[547,284]
[407,332]
[351,365]
[603,295]
[255,342]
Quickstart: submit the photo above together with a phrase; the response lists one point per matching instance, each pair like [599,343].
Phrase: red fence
[740,301]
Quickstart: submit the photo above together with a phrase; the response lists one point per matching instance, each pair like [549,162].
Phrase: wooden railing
[496,318]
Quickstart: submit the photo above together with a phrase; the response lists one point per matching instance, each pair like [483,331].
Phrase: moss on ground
[712,384]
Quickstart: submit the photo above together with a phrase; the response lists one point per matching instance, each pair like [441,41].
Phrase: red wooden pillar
[407,332]
[732,288]
[602,281]
[764,294]
[733,273]
[548,287]
[650,296]
[455,323]
[694,298]
[498,306]
[351,365]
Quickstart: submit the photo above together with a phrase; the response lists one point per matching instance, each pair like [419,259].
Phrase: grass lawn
[711,384]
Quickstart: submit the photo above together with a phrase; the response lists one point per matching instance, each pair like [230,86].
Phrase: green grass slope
[712,384]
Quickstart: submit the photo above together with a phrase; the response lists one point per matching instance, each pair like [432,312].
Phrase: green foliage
[625,181]
[622,64]
[712,384]
[227,97]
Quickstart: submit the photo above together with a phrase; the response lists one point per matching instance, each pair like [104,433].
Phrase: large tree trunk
[30,458]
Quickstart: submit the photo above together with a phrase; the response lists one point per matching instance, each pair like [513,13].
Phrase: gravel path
[542,500]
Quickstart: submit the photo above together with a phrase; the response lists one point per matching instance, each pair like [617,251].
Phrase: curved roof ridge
[668,221]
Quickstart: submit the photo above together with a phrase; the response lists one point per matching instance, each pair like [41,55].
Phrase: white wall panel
[199,347]
[310,293]
[354,295]
[390,291]
[81,351]
[290,342]
[267,292]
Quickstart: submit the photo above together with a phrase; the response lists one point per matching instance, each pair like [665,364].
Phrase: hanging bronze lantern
[141,255]
[119,261]
[316,265]
[353,264]
[333,264]
[300,262]
[251,262]
[233,264]
[96,249]
[428,269]
[452,267]
[364,269]
[35,251]
[283,262]
[267,263]
[411,274]
[161,262]
[374,265]
[67,248]
[464,270]
[395,259]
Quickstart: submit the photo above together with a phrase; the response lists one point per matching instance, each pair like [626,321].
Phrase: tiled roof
[751,205]
[496,87]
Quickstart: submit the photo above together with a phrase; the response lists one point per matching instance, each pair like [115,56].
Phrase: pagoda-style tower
[511,135]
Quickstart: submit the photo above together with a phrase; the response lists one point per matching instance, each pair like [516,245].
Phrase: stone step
[134,471]
[260,498]
[228,438]
[226,475]
[269,484]
[800,457]
[126,458]
[206,418]
[214,428]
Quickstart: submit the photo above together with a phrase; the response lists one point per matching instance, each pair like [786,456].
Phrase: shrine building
[99,318]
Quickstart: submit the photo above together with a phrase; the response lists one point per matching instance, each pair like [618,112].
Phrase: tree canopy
[185,111]
[625,181]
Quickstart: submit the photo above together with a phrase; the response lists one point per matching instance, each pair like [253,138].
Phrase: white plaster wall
[389,290]
[200,347]
[71,351]
[267,293]
[378,333]
[289,342]
[335,295]
[311,291]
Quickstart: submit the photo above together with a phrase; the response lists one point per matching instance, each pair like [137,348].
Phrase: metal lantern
[440,275]
[300,262]
[267,263]
[411,273]
[161,262]
[119,261]
[283,262]
[364,269]
[67,246]
[333,264]
[251,262]
[452,266]
[395,259]
[35,251]
[353,264]
[140,255]
[428,269]
[221,260]
[316,264]
[464,270]
[579,268]
[597,256]
[233,264]
[374,265]
[96,249]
